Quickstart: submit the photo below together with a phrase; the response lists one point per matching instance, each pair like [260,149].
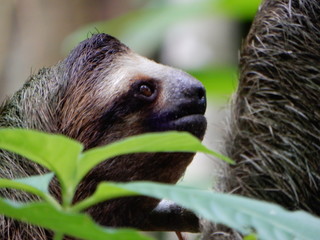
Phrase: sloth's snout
[184,109]
[196,91]
[194,97]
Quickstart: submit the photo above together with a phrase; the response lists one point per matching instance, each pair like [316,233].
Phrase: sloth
[103,92]
[274,135]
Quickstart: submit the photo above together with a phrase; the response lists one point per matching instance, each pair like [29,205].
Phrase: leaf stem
[67,196]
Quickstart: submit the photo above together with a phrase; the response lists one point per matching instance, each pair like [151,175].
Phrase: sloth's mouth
[186,117]
[196,124]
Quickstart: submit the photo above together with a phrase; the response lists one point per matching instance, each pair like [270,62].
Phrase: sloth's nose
[195,94]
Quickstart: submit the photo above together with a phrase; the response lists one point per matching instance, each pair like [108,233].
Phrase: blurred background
[202,37]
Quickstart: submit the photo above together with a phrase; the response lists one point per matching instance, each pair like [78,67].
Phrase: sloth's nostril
[201,94]
[196,94]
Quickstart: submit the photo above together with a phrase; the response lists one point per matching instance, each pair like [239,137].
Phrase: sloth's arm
[168,216]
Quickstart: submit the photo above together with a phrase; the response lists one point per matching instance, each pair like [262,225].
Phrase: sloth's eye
[146,90]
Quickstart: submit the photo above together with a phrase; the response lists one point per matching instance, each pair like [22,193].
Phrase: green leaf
[33,183]
[76,225]
[40,182]
[270,221]
[145,143]
[251,237]
[55,152]
[37,185]
[104,191]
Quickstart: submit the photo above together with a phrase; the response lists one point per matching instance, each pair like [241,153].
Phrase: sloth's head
[112,93]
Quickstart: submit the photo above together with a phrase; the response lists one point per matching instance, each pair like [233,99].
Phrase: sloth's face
[153,98]
[113,93]
[179,100]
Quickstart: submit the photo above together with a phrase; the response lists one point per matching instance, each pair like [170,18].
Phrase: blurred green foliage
[219,82]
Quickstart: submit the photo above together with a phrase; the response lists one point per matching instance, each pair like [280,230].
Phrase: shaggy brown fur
[275,132]
[100,93]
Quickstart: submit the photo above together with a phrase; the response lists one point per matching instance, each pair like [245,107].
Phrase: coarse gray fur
[275,122]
